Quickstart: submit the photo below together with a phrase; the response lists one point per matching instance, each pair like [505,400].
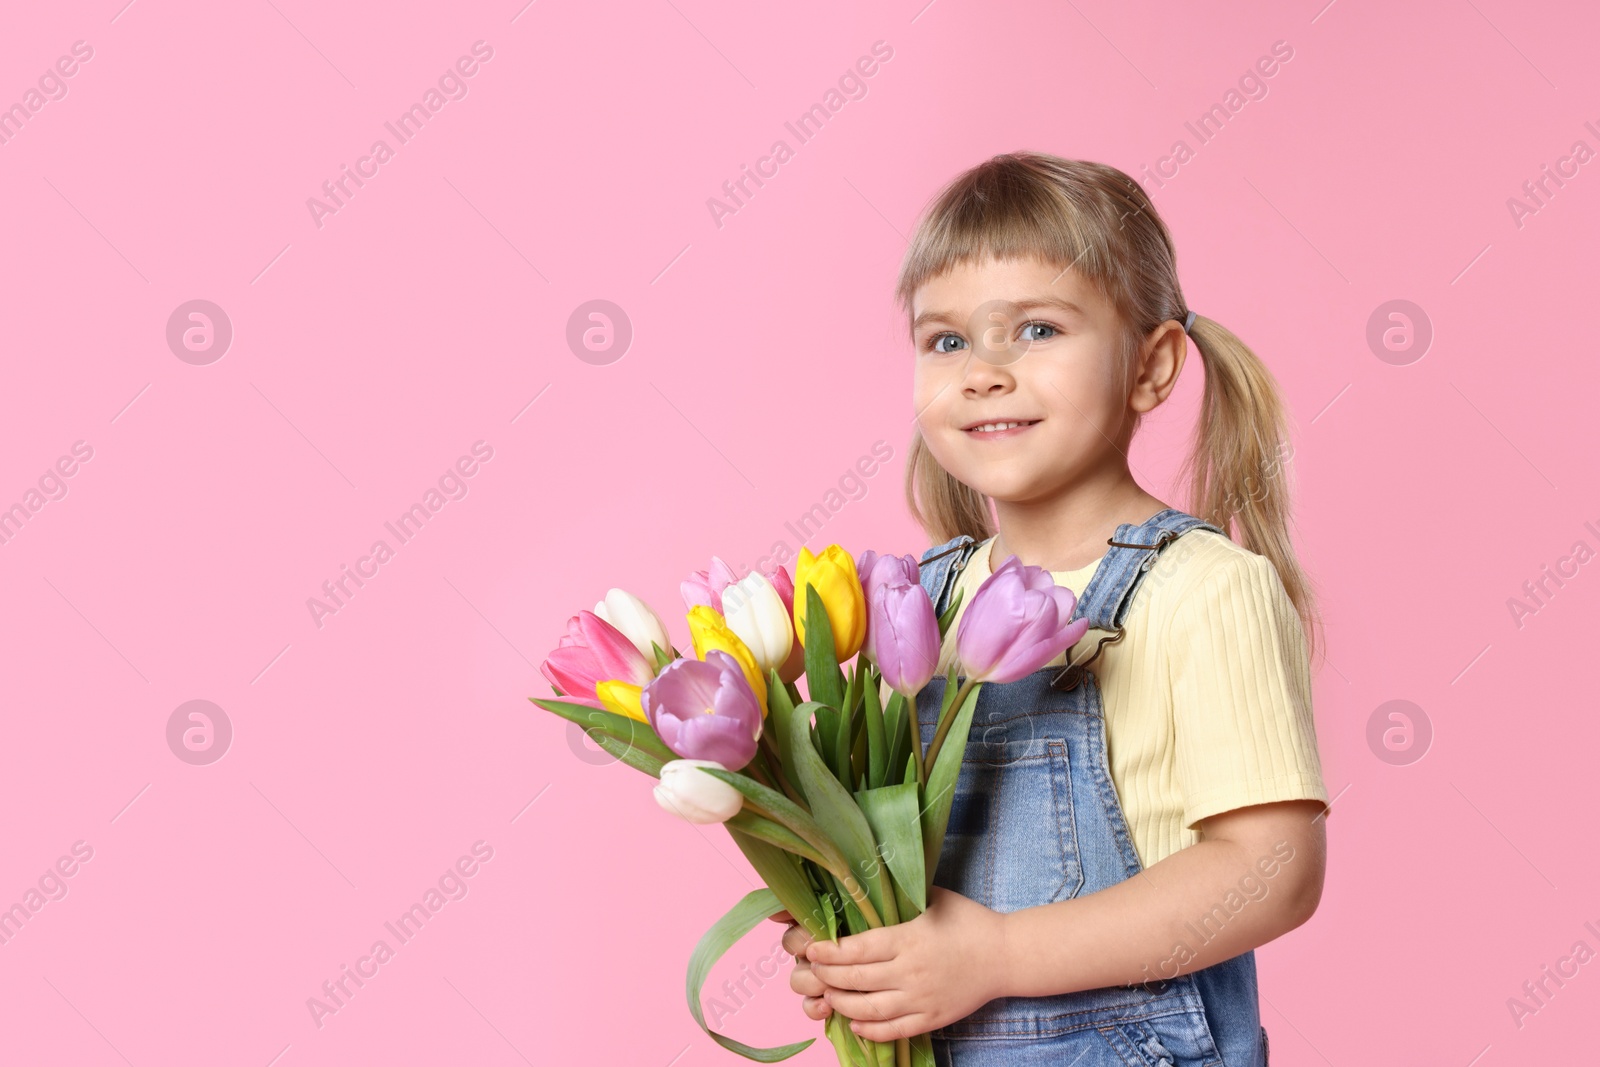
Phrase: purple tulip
[1017,622]
[704,709]
[864,564]
[902,629]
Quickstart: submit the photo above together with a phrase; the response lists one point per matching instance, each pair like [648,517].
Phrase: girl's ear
[1160,362]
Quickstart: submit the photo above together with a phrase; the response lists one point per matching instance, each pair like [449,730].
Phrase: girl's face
[1002,342]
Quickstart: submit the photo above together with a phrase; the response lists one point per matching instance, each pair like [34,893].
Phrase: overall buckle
[1167,536]
[1071,675]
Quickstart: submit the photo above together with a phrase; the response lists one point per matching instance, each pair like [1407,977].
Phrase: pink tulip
[783,582]
[591,652]
[902,629]
[706,587]
[1018,621]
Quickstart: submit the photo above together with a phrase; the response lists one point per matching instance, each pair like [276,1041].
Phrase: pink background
[371,752]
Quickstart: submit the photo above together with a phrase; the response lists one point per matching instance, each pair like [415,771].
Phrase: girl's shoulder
[1203,565]
[1196,560]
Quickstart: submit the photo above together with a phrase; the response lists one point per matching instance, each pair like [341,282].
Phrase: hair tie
[1188,322]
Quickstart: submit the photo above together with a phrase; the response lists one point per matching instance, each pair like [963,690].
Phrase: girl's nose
[984,378]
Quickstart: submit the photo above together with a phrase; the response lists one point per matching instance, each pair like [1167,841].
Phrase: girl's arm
[1255,875]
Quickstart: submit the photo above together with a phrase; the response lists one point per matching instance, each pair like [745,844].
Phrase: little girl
[1131,821]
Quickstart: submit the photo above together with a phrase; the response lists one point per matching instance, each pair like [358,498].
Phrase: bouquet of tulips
[830,795]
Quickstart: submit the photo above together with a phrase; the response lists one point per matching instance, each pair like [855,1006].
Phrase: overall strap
[1133,552]
[1106,598]
[940,567]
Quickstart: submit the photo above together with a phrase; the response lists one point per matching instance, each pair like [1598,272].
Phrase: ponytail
[1236,465]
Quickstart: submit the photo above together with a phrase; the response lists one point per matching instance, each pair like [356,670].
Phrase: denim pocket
[1011,841]
[1173,1039]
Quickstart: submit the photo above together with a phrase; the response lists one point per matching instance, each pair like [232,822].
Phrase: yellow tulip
[709,630]
[622,698]
[834,575]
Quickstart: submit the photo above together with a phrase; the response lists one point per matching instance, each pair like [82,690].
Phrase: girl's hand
[904,980]
[801,979]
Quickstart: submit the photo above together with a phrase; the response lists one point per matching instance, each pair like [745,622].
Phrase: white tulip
[755,612]
[636,621]
[695,796]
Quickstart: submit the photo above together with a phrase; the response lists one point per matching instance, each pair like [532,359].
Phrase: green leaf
[852,691]
[846,1044]
[941,787]
[950,613]
[855,747]
[723,935]
[854,921]
[858,750]
[823,681]
[852,1049]
[878,761]
[629,754]
[663,657]
[828,736]
[833,807]
[785,875]
[898,734]
[631,732]
[893,812]
[834,894]
[779,708]
[843,735]
[907,908]
[950,689]
[789,814]
[773,833]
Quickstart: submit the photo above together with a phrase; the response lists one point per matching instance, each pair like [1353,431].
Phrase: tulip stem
[866,1054]
[949,717]
[908,720]
[835,864]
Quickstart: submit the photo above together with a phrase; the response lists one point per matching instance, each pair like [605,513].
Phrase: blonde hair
[1098,221]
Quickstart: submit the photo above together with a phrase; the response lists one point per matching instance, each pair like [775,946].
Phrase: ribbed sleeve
[1241,693]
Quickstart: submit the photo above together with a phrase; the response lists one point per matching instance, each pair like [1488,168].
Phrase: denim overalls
[1035,819]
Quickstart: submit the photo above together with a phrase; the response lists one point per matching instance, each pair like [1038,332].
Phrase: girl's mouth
[991,431]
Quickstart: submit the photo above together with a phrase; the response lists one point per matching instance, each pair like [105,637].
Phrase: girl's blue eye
[937,344]
[1038,326]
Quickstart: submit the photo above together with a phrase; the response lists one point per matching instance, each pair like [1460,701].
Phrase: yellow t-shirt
[1207,697]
